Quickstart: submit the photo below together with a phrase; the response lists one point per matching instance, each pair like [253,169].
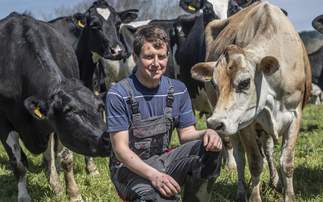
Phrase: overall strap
[169,99]
[133,103]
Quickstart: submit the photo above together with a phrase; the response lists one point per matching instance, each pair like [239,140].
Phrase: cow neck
[85,61]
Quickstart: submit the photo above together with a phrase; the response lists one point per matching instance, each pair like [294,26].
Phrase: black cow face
[102,29]
[76,114]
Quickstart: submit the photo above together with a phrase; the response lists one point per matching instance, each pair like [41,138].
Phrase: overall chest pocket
[151,139]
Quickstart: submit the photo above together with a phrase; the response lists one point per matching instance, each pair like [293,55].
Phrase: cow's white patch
[137,23]
[176,66]
[13,142]
[95,57]
[220,8]
[22,189]
[104,12]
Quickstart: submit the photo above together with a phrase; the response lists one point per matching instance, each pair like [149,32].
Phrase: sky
[300,12]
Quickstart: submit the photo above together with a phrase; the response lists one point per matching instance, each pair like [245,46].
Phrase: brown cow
[261,79]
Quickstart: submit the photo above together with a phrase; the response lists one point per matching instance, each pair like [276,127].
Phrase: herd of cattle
[236,58]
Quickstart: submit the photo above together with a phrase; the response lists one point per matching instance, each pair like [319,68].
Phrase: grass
[308,174]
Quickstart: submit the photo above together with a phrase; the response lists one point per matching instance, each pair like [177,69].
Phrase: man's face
[151,64]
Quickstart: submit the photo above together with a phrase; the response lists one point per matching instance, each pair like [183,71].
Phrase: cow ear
[79,19]
[128,15]
[190,6]
[203,71]
[37,107]
[269,65]
[317,23]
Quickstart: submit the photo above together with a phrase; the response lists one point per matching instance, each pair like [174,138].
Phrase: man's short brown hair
[151,34]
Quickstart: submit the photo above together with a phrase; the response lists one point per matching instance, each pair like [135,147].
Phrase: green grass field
[308,174]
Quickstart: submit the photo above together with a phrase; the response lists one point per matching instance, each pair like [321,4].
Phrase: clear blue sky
[300,12]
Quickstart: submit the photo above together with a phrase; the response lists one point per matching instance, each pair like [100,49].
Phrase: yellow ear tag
[191,8]
[209,76]
[37,112]
[104,117]
[80,24]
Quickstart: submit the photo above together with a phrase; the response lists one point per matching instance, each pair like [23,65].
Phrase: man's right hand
[165,184]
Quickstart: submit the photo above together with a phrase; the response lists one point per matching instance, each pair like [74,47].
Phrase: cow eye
[68,112]
[95,25]
[244,84]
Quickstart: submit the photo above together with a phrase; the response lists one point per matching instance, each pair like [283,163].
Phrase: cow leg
[65,158]
[287,156]
[19,164]
[239,155]
[255,160]
[268,144]
[90,166]
[49,161]
[228,153]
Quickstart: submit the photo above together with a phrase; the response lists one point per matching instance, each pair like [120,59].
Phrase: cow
[94,31]
[316,95]
[40,93]
[316,58]
[222,8]
[258,77]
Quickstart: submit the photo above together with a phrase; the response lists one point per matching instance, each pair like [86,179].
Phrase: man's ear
[37,107]
[135,58]
[269,65]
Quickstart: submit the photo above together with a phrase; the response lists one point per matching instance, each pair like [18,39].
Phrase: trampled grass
[308,173]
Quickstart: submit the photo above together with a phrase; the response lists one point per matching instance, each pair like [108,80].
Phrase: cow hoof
[94,172]
[24,199]
[76,198]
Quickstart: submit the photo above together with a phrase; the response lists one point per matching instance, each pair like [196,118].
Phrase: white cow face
[239,85]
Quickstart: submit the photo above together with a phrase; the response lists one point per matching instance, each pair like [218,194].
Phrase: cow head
[102,29]
[317,23]
[237,78]
[76,115]
[194,6]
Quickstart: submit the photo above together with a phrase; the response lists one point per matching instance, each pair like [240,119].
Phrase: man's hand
[165,184]
[212,141]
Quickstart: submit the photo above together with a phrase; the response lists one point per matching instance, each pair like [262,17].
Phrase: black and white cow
[40,95]
[99,37]
[94,31]
[316,58]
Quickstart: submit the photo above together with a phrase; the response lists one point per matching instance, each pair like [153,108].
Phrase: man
[142,111]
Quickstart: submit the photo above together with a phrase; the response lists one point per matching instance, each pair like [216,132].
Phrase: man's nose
[155,61]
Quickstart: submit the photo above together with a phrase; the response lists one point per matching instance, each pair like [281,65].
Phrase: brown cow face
[239,88]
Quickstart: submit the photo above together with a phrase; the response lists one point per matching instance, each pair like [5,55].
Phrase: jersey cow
[45,98]
[259,77]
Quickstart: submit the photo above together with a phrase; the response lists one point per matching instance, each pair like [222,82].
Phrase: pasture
[308,174]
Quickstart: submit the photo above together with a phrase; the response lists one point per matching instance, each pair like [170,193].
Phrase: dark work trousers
[188,159]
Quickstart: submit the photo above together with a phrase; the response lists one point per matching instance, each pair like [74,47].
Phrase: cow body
[261,81]
[45,98]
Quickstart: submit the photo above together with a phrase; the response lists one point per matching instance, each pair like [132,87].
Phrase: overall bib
[146,137]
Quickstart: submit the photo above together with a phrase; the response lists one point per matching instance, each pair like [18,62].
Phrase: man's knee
[153,195]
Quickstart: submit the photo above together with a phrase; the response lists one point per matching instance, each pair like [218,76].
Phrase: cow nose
[116,50]
[218,126]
